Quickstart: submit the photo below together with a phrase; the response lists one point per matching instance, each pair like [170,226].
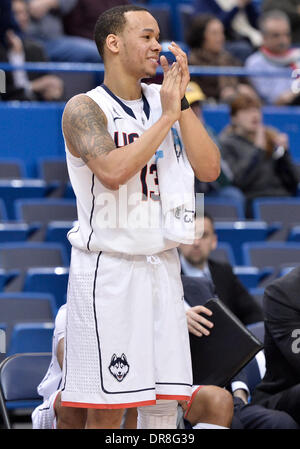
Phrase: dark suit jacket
[282,344]
[231,291]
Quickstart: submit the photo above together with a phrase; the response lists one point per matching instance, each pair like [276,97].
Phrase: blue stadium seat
[56,232]
[224,209]
[48,280]
[31,337]
[20,375]
[25,307]
[271,254]
[53,169]
[283,211]
[223,253]
[249,276]
[15,232]
[24,255]
[238,232]
[12,190]
[12,168]
[46,210]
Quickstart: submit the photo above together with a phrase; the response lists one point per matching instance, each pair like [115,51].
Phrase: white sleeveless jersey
[128,220]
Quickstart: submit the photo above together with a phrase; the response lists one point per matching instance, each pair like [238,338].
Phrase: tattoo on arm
[84,127]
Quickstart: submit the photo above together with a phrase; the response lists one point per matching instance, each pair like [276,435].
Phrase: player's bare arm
[203,154]
[86,134]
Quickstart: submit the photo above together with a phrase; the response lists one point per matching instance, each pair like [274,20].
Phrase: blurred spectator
[22,85]
[206,41]
[7,21]
[222,187]
[292,9]
[275,57]
[257,155]
[280,387]
[46,26]
[239,18]
[81,20]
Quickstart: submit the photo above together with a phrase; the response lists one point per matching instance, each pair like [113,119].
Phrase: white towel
[176,185]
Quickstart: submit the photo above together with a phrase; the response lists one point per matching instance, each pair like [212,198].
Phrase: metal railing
[76,67]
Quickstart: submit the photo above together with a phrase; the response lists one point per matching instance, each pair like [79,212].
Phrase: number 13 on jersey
[149,182]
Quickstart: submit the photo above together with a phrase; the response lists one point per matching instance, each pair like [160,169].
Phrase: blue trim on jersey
[128,110]
[146,106]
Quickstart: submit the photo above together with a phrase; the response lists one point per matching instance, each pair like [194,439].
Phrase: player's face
[198,253]
[140,47]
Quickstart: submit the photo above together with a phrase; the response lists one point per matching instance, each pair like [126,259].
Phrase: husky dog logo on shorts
[119,367]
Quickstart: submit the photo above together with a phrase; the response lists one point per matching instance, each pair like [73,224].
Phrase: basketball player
[127,341]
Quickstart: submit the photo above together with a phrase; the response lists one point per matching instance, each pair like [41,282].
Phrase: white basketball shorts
[43,416]
[126,340]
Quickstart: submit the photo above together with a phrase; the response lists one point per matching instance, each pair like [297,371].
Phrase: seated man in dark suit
[195,261]
[280,387]
[246,415]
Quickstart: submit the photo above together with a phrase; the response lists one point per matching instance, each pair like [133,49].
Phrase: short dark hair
[112,21]
[195,35]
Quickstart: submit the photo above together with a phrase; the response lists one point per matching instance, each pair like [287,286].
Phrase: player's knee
[211,404]
[104,419]
[220,402]
[69,417]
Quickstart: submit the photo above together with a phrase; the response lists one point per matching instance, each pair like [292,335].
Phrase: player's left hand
[182,60]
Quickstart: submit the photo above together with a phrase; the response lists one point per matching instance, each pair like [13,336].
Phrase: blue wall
[33,130]
[29,131]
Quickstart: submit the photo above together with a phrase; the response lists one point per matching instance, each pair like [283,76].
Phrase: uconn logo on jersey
[119,367]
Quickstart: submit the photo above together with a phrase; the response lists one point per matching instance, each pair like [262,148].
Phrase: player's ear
[113,43]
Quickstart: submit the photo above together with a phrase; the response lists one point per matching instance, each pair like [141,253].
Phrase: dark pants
[287,401]
[252,416]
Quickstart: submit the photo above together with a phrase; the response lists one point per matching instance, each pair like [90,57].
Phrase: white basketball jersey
[128,220]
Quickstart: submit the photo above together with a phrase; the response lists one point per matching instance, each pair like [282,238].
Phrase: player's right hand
[170,89]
